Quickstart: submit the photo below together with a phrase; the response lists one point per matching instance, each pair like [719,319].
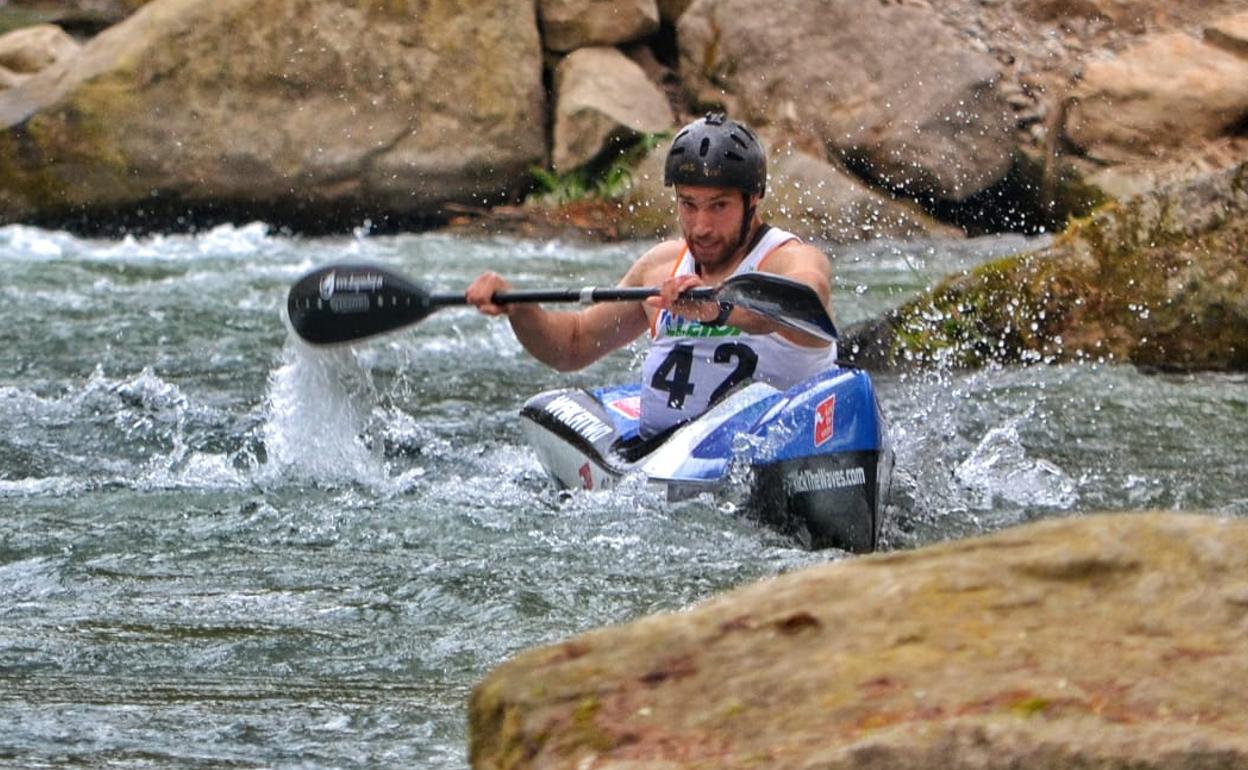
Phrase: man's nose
[701,222]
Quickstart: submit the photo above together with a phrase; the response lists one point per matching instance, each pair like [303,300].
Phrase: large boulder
[1160,281]
[31,49]
[1164,93]
[10,79]
[311,107]
[885,86]
[1111,642]
[603,97]
[571,24]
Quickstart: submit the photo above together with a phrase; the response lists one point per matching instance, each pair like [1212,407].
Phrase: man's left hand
[670,291]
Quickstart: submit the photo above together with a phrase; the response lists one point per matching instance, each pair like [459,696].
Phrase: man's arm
[571,340]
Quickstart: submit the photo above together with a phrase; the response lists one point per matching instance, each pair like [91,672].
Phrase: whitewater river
[220,549]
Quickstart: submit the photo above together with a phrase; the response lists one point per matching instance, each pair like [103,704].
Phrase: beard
[710,252]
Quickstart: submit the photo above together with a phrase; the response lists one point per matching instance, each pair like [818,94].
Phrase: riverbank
[987,117]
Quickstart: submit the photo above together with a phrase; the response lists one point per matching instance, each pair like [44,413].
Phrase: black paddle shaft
[351,301]
[346,302]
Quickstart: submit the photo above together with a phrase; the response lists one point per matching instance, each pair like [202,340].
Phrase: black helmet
[717,151]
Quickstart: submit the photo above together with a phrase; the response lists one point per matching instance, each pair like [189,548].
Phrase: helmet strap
[746,220]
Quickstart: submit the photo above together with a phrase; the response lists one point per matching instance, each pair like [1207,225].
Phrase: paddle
[346,302]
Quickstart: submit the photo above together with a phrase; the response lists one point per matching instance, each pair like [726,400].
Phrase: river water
[218,548]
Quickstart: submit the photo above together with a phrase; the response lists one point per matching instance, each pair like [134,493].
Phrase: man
[701,349]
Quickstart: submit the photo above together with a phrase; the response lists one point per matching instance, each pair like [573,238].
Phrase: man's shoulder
[795,254]
[657,263]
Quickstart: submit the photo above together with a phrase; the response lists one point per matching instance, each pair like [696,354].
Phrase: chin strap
[746,220]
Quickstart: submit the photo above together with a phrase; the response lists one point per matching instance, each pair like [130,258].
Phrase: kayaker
[701,349]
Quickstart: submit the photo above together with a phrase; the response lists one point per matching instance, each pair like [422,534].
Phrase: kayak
[819,455]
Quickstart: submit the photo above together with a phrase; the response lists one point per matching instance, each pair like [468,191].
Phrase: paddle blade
[348,301]
[783,300]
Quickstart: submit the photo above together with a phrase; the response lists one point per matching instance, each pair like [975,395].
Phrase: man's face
[710,218]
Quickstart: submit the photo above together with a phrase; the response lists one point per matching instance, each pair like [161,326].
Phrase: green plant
[608,177]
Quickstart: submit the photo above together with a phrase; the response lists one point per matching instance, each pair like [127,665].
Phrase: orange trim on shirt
[654,322]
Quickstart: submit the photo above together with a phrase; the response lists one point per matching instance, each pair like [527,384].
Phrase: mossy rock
[1160,280]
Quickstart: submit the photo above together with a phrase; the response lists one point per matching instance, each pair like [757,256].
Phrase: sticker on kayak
[630,407]
[824,423]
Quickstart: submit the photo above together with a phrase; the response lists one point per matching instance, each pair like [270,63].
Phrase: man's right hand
[482,290]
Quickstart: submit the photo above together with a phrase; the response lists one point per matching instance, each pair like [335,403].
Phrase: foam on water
[998,470]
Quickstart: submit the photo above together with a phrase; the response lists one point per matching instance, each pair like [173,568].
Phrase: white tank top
[690,366]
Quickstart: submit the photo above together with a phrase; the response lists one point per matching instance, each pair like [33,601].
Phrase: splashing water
[999,470]
[321,403]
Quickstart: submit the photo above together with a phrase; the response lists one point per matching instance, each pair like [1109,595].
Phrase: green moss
[971,320]
[1030,707]
[16,18]
[23,173]
[585,729]
[71,152]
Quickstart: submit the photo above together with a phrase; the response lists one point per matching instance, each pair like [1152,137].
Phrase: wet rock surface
[1100,641]
[1160,280]
[31,49]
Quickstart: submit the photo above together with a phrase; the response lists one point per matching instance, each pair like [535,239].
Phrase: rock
[819,201]
[884,85]
[571,24]
[1168,92]
[1230,34]
[1119,181]
[656,71]
[1096,641]
[30,49]
[287,109]
[603,97]
[1160,281]
[10,79]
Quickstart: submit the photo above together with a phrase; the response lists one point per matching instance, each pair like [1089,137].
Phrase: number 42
[674,375]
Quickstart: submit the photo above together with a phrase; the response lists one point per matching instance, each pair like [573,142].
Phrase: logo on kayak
[823,479]
[351,282]
[579,419]
[825,426]
[629,407]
